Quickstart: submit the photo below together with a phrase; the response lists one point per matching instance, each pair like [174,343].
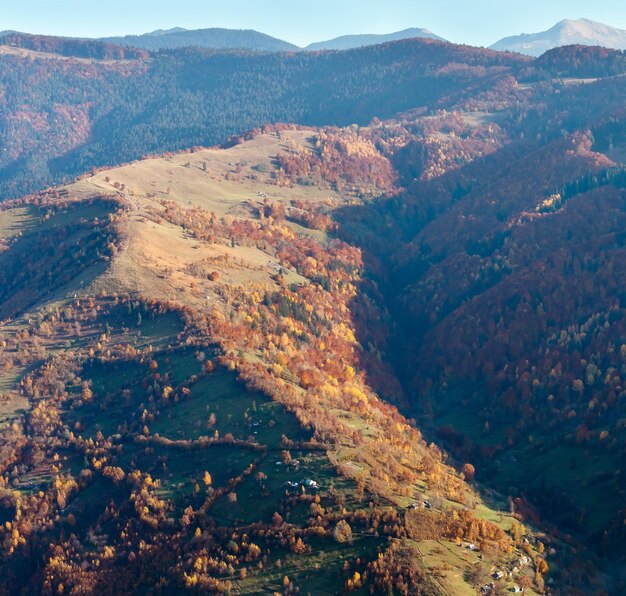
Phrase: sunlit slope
[230,183]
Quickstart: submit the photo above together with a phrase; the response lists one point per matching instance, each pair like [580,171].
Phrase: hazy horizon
[482,24]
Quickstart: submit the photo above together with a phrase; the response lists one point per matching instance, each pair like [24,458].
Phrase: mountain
[160,32]
[253,40]
[347,42]
[204,38]
[183,396]
[566,32]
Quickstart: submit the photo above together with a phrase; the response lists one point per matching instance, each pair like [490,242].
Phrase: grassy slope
[155,250]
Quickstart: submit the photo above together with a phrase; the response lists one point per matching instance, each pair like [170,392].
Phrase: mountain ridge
[219,38]
[244,39]
[213,38]
[566,32]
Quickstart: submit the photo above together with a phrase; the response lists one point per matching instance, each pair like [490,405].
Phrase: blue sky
[477,22]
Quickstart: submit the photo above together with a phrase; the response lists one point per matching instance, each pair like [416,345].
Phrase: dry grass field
[157,256]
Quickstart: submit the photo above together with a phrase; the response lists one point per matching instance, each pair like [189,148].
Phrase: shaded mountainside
[213,38]
[503,266]
[62,118]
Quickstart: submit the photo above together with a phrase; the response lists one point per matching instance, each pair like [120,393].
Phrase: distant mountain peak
[565,32]
[159,32]
[213,38]
[346,42]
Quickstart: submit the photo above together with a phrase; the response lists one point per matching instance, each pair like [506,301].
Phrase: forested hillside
[71,48]
[185,405]
[502,263]
[62,118]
